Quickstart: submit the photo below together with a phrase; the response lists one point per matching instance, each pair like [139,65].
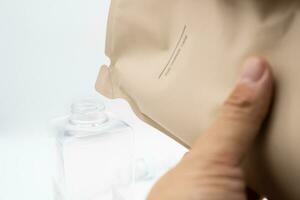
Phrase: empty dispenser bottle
[98,153]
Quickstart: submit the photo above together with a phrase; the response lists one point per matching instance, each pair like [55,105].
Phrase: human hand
[212,169]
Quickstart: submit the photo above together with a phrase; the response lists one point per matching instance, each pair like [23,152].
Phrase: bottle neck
[88,112]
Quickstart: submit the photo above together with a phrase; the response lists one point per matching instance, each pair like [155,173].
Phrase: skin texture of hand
[212,168]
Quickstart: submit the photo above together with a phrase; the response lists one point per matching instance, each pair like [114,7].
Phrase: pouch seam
[110,28]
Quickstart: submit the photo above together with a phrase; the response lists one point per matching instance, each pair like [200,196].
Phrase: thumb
[241,116]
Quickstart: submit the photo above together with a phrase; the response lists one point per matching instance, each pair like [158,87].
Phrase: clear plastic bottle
[97,153]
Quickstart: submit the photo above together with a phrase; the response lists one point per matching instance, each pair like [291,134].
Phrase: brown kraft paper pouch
[175,62]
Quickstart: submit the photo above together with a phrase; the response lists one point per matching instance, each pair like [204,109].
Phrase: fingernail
[253,70]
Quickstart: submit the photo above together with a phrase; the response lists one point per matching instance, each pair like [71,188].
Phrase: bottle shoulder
[110,126]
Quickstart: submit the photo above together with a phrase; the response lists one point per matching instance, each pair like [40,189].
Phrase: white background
[50,54]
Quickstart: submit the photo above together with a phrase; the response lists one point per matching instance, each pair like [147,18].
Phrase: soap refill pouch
[176,61]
